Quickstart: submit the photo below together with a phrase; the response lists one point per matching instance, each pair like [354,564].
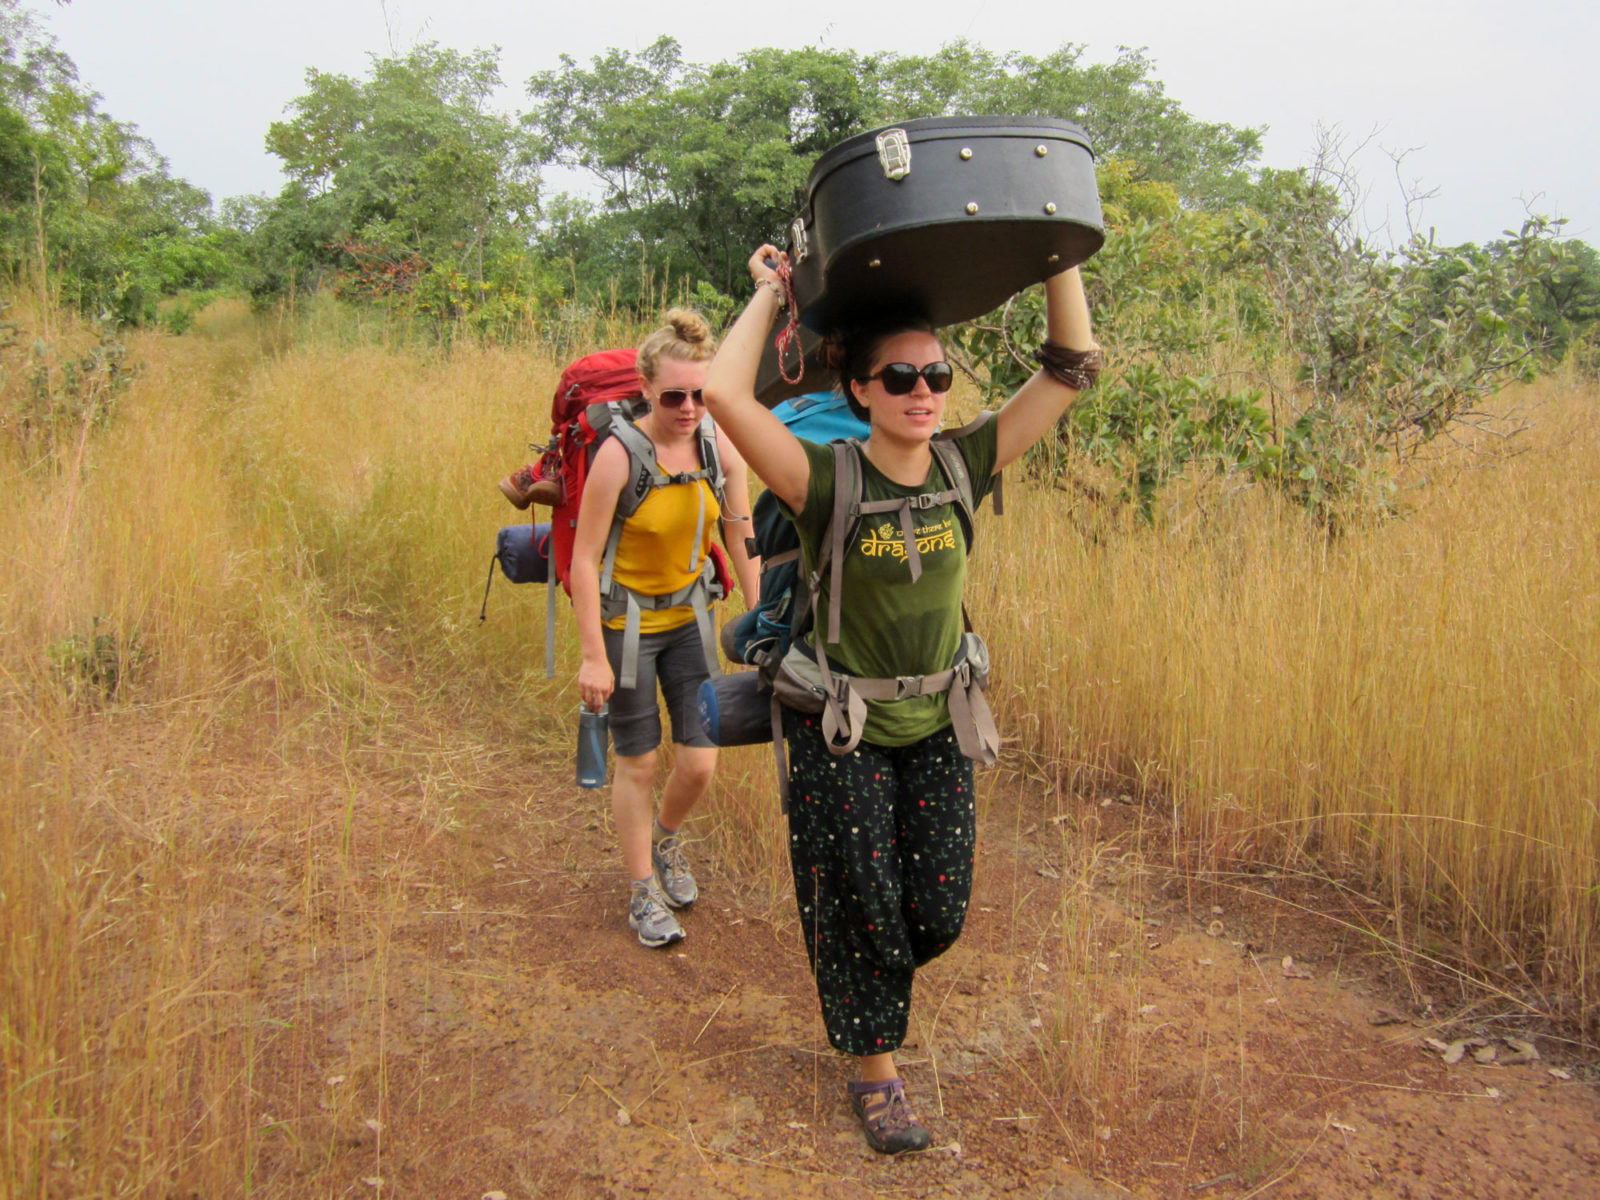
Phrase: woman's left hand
[762,265]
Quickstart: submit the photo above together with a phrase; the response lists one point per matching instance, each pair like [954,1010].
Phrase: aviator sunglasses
[900,378]
[674,397]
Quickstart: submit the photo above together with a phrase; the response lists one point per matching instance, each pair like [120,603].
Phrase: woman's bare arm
[607,474]
[1039,403]
[768,447]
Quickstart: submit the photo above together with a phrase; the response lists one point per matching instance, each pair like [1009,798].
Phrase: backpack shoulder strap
[954,465]
[646,472]
[842,522]
[711,457]
[610,419]
[647,475]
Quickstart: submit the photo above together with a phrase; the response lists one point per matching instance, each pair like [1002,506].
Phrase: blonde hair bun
[689,325]
[686,337]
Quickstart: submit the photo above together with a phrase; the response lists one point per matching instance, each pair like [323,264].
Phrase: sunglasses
[900,379]
[674,397]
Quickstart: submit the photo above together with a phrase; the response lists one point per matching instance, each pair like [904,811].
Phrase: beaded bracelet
[778,290]
[1078,369]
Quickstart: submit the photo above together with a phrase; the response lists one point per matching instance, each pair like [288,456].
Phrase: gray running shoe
[649,915]
[672,871]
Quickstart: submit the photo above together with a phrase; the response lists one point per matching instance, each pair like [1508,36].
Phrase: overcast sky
[1494,104]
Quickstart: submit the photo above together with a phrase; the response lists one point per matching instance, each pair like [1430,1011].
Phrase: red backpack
[598,397]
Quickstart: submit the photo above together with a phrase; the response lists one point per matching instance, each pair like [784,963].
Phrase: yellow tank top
[656,546]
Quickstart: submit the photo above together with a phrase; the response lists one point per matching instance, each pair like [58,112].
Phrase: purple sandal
[892,1128]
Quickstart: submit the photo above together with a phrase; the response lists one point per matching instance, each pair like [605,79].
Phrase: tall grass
[276,547]
[279,549]
[1415,702]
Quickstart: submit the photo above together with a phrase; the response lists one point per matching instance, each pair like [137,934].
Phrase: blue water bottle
[593,735]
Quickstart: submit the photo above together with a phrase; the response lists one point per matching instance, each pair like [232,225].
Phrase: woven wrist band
[1077,369]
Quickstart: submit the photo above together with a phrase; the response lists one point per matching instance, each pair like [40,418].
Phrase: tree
[84,199]
[409,161]
[1565,300]
[698,164]
[1121,104]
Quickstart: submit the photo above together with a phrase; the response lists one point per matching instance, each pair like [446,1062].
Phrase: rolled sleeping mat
[736,709]
[523,552]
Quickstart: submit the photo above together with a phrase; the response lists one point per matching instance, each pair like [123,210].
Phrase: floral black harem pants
[881,842]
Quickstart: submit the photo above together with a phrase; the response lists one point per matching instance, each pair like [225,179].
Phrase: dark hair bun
[832,351]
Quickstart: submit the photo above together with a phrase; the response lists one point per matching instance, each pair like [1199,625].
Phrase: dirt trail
[464,1012]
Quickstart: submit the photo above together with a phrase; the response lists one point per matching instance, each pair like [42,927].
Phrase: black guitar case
[944,216]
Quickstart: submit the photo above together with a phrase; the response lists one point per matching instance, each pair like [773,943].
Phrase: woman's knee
[694,765]
[938,915]
[638,770]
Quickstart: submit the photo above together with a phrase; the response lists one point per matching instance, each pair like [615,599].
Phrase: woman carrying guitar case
[882,824]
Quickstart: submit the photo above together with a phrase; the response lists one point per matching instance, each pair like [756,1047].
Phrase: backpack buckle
[908,685]
[923,500]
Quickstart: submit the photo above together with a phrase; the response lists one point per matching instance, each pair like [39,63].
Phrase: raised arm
[768,447]
[1039,403]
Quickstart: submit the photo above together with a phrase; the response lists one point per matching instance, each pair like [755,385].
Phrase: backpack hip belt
[805,682]
[621,601]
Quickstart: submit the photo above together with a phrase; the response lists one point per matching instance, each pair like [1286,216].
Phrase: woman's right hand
[595,684]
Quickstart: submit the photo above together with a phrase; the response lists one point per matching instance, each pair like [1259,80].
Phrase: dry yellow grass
[285,544]
[1416,702]
[281,548]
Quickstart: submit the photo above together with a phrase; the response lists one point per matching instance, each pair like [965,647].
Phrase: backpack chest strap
[904,506]
[648,475]
[697,559]
[839,530]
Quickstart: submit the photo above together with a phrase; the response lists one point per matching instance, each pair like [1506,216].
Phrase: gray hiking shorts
[676,661]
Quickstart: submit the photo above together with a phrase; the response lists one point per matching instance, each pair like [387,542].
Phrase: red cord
[790,333]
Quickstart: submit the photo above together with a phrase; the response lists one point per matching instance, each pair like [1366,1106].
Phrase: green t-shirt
[889,626]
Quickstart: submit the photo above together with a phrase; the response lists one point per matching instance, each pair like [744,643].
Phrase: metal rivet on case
[972,209]
[1041,149]
[1050,208]
[966,152]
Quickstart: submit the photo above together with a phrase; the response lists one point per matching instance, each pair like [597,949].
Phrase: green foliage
[1122,105]
[1384,349]
[61,395]
[699,164]
[94,665]
[1565,303]
[87,207]
[402,185]
[1406,342]
[1156,427]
